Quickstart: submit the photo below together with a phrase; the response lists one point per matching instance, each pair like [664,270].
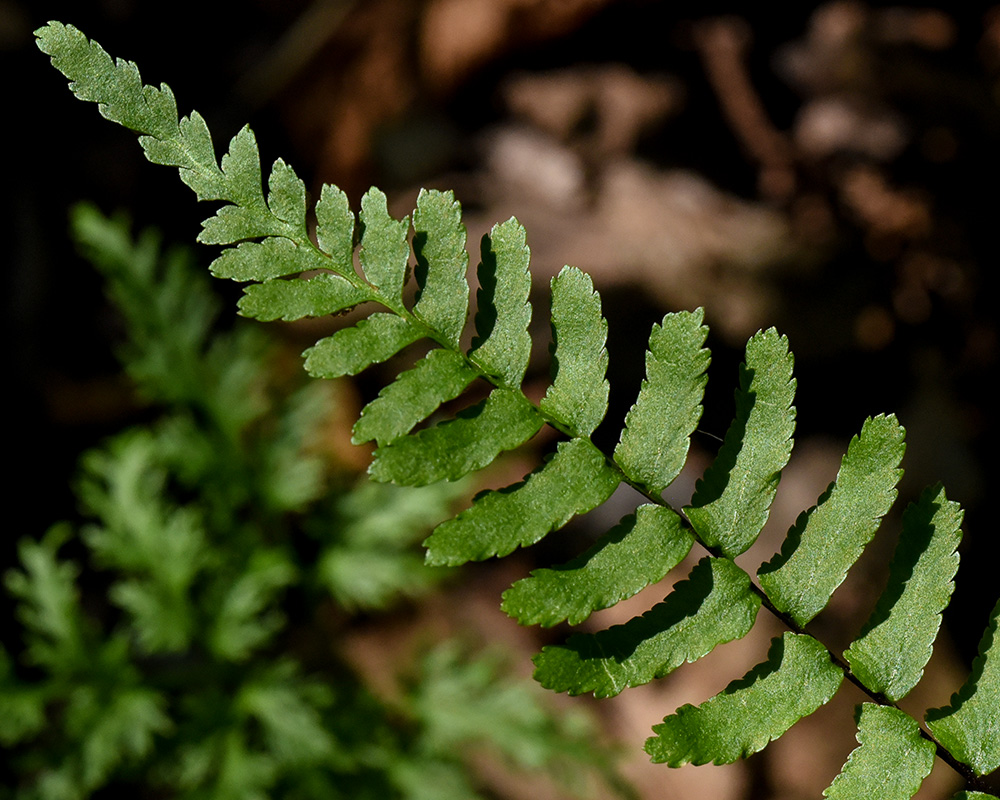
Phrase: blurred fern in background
[188,640]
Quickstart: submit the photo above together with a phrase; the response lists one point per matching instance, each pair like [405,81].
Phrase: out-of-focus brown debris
[458,36]
[722,44]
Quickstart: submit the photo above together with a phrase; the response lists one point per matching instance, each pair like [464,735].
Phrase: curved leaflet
[797,678]
[714,605]
[638,551]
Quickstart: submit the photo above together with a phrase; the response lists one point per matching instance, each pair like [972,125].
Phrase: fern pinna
[290,277]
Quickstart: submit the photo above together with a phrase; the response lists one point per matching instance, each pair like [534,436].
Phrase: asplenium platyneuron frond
[290,276]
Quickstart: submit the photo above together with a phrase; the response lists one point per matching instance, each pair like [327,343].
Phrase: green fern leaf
[335,230]
[286,201]
[49,607]
[384,253]
[286,197]
[442,261]
[714,605]
[322,294]
[797,678]
[825,541]
[261,261]
[232,224]
[891,761]
[121,97]
[654,443]
[439,376]
[732,502]
[576,479]
[896,642]
[578,396]
[970,726]
[453,449]
[638,551]
[244,619]
[352,350]
[502,343]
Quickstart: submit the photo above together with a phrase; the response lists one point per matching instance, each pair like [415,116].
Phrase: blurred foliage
[189,639]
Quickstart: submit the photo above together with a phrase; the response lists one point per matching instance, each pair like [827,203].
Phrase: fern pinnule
[896,642]
[654,445]
[826,541]
[712,606]
[796,679]
[891,761]
[970,726]
[643,547]
[732,502]
[576,479]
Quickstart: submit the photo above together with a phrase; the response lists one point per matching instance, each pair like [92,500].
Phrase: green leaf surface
[247,615]
[576,479]
[974,796]
[714,605]
[970,726]
[261,261]
[578,396]
[335,229]
[117,88]
[896,643]
[286,197]
[448,451]
[502,343]
[322,294]
[352,350]
[797,678]
[232,224]
[439,376]
[891,761]
[638,551]
[826,540]
[115,85]
[732,502]
[49,605]
[654,443]
[384,250]
[241,171]
[442,262]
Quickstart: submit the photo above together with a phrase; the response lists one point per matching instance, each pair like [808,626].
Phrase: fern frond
[268,243]
[714,605]
[637,552]
[896,642]
[970,726]
[825,541]
[654,444]
[797,678]
[731,503]
[891,761]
